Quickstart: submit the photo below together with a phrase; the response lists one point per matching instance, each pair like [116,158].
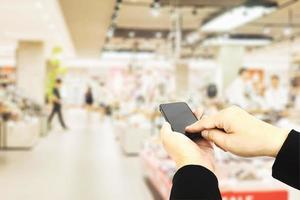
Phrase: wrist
[276,140]
[206,165]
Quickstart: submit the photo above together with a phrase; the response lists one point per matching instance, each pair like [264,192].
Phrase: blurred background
[102,67]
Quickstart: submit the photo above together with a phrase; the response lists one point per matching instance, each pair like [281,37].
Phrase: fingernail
[188,127]
[204,133]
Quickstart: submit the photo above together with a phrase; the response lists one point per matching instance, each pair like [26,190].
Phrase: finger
[165,131]
[204,123]
[216,136]
[204,143]
[199,113]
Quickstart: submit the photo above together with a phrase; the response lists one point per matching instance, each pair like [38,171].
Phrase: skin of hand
[184,151]
[240,133]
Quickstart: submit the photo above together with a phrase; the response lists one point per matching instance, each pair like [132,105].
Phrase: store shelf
[156,176]
[249,190]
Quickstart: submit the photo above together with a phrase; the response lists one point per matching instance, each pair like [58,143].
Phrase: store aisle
[82,163]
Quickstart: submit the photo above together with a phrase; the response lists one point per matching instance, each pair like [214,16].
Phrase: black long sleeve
[286,167]
[194,182]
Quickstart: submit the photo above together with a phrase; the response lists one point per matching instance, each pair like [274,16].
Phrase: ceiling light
[155,9]
[158,35]
[110,32]
[156,5]
[131,34]
[287,31]
[192,38]
[155,12]
[221,41]
[266,30]
[237,17]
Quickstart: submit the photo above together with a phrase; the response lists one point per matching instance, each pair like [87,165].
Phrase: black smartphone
[179,115]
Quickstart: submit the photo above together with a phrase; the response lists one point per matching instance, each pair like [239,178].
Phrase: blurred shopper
[238,91]
[238,132]
[295,93]
[258,100]
[104,100]
[89,98]
[276,95]
[57,104]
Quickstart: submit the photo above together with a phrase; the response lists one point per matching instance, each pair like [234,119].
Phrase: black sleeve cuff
[193,182]
[287,164]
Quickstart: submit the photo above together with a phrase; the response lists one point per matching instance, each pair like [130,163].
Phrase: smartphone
[179,115]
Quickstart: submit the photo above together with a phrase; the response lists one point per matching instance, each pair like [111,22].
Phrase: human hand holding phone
[240,133]
[185,151]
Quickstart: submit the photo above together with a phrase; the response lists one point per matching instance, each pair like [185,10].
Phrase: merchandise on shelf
[22,120]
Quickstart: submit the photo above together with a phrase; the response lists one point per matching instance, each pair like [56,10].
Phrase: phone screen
[179,115]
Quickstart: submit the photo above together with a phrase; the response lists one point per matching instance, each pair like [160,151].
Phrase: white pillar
[230,60]
[182,79]
[31,70]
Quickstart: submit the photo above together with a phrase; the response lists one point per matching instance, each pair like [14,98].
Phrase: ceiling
[88,22]
[81,26]
[135,16]
[36,20]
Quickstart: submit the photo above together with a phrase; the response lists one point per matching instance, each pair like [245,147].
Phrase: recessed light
[110,32]
[287,31]
[131,34]
[155,12]
[158,35]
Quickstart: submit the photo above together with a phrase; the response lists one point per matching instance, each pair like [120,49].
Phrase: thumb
[216,136]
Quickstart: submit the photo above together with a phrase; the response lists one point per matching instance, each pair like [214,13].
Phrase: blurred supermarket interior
[117,60]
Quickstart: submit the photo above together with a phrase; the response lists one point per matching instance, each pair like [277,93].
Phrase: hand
[184,151]
[240,133]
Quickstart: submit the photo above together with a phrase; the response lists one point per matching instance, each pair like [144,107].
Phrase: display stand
[20,135]
[156,176]
[253,190]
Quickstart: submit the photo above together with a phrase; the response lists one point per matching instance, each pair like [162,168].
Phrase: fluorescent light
[221,41]
[236,17]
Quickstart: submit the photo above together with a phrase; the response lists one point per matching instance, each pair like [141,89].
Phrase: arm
[238,132]
[286,167]
[56,96]
[195,182]
[195,177]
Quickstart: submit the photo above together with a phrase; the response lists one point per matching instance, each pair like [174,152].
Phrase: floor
[83,163]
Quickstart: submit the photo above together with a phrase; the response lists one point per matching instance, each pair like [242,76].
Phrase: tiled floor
[84,163]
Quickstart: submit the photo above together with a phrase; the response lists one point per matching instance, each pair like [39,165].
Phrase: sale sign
[256,195]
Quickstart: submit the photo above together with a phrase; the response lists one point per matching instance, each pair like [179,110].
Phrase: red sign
[261,195]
